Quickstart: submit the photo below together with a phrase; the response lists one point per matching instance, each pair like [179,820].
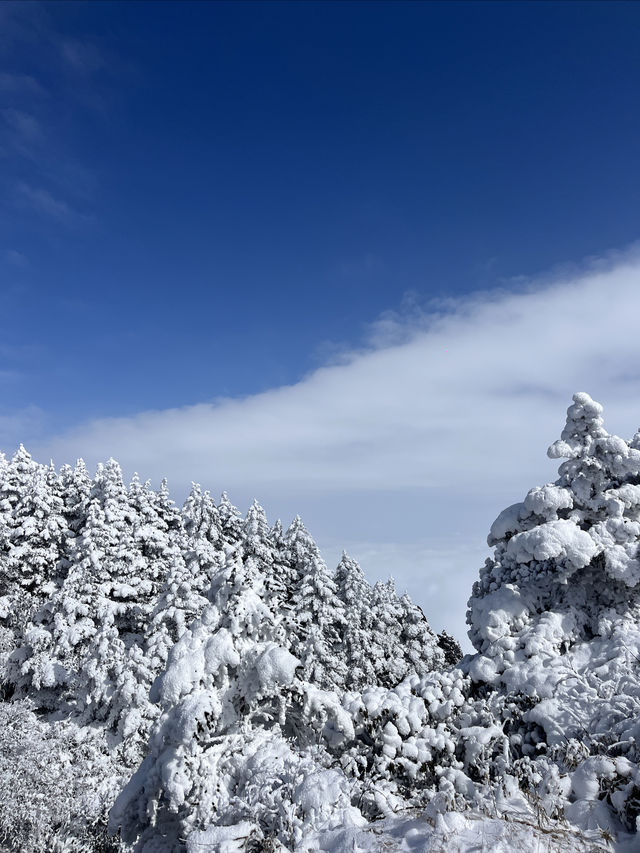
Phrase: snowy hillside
[195,680]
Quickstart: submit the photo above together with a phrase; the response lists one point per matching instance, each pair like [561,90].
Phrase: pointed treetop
[21,455]
[295,527]
[348,568]
[256,519]
[584,425]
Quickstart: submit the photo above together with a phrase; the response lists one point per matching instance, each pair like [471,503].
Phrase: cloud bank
[405,450]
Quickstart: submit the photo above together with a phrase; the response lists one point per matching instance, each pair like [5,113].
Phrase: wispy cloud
[25,129]
[44,203]
[20,84]
[38,142]
[15,258]
[82,56]
[444,425]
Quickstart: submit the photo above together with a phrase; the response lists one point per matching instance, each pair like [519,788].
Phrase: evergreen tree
[184,594]
[418,644]
[355,592]
[231,522]
[201,518]
[554,617]
[450,648]
[386,654]
[317,611]
[278,570]
[32,543]
[76,488]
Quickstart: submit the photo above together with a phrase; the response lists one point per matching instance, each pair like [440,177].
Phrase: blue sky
[239,201]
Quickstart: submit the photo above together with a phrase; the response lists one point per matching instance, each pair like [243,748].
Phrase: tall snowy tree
[555,618]
[317,612]
[418,643]
[386,653]
[33,534]
[231,522]
[184,595]
[355,592]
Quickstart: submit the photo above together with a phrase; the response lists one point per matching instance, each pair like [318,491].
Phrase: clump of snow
[276,666]
[562,541]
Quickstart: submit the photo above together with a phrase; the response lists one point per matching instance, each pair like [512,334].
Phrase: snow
[554,540]
[519,831]
[255,700]
[221,839]
[276,665]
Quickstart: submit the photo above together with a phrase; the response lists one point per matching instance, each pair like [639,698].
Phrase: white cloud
[46,204]
[443,426]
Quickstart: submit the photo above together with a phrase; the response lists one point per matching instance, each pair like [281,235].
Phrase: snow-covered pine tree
[33,534]
[231,521]
[356,594]
[555,618]
[75,484]
[185,592]
[187,589]
[101,611]
[157,544]
[451,648]
[200,516]
[386,652]
[255,537]
[267,548]
[278,574]
[317,613]
[418,644]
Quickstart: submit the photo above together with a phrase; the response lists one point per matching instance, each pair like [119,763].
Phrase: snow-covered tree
[188,582]
[316,610]
[356,594]
[386,654]
[33,535]
[231,521]
[451,648]
[555,618]
[418,643]
[57,781]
